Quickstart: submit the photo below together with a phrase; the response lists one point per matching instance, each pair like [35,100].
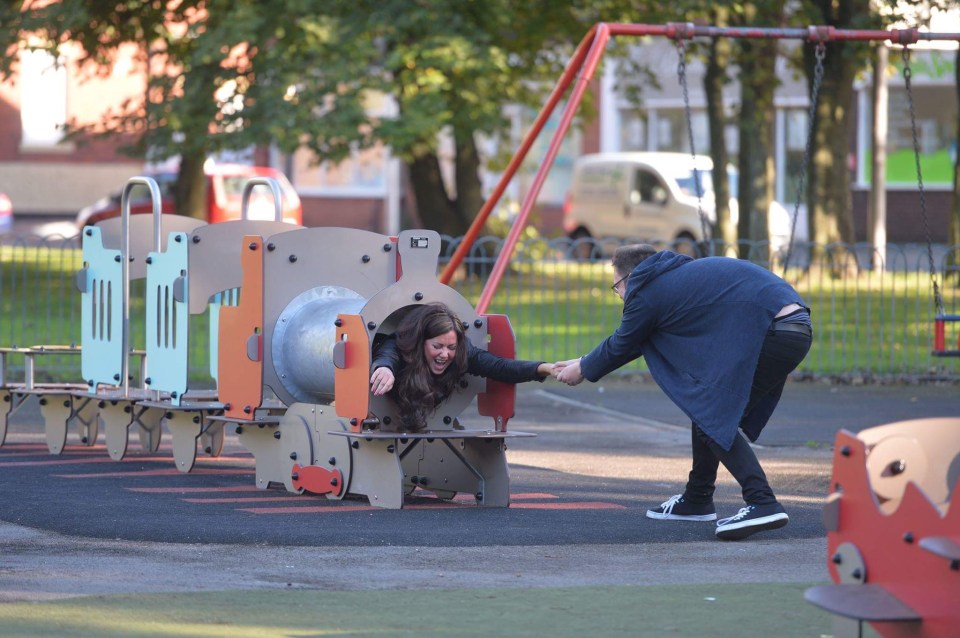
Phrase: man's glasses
[617,285]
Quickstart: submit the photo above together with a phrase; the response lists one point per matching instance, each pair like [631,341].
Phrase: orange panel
[500,398]
[351,377]
[240,359]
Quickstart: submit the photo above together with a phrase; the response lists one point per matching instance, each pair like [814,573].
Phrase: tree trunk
[757,84]
[434,208]
[190,191]
[828,190]
[757,60]
[714,79]
[469,187]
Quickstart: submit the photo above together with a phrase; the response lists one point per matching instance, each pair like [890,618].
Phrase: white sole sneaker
[660,516]
[738,530]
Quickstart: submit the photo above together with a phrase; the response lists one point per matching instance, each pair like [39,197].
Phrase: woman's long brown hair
[418,392]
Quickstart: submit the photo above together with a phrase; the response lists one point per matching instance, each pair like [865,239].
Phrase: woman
[422,363]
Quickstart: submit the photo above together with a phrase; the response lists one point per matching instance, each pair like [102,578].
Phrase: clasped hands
[382,379]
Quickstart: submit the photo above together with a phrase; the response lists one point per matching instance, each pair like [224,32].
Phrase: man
[720,336]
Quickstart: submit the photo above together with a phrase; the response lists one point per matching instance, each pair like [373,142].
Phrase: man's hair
[626,258]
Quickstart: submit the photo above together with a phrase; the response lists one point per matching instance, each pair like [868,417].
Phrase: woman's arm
[386,359]
[484,364]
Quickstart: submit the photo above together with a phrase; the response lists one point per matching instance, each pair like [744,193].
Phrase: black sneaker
[750,520]
[677,509]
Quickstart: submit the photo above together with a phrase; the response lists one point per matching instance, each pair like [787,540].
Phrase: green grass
[865,324]
[719,611]
[40,305]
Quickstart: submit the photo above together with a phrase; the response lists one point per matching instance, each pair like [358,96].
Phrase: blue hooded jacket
[700,324]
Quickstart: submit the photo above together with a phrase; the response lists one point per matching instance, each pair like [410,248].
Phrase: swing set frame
[580,71]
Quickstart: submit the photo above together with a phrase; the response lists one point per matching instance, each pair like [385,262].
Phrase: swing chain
[682,78]
[819,53]
[907,76]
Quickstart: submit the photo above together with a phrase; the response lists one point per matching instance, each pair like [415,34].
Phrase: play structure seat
[893,526]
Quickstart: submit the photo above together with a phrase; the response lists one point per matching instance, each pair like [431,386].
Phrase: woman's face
[439,351]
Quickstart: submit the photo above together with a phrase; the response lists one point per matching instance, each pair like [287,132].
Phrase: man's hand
[381,381]
[569,371]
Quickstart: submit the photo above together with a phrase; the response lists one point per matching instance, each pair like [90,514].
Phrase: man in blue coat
[720,336]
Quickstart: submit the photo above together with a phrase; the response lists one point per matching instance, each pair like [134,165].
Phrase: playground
[291,500]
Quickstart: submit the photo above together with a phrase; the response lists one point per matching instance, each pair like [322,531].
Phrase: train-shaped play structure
[294,316]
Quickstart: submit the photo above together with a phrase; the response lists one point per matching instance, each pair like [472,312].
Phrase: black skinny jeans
[781,353]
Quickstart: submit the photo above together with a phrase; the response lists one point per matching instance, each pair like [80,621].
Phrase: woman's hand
[381,381]
[546,370]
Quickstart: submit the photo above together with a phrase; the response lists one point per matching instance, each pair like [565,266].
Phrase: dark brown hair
[626,258]
[418,392]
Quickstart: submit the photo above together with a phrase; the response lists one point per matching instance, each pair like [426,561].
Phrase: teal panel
[168,318]
[101,316]
[226,298]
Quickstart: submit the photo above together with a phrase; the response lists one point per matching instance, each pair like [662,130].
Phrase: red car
[224,194]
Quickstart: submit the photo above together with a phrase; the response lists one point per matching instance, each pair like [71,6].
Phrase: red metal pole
[588,55]
[593,59]
[471,235]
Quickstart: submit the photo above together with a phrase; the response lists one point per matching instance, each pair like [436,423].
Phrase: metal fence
[871,324]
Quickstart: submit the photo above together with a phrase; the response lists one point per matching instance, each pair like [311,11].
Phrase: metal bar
[471,235]
[151,185]
[597,47]
[598,35]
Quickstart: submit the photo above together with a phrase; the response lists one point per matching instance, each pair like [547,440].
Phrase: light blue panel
[168,318]
[101,315]
[226,298]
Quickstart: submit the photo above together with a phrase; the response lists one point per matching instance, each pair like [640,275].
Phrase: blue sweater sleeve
[624,345]
[386,355]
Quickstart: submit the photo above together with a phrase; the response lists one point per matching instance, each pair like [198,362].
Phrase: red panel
[500,398]
[890,545]
[317,479]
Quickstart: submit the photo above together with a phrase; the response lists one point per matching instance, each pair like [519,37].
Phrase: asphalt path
[81,523]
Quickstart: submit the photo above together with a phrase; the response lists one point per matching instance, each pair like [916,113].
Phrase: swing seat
[940,336]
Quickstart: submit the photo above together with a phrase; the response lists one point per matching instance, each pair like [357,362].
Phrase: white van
[650,197]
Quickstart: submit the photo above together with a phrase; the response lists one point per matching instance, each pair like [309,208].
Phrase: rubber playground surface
[91,546]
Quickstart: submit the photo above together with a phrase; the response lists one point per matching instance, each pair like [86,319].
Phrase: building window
[936,116]
[43,100]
